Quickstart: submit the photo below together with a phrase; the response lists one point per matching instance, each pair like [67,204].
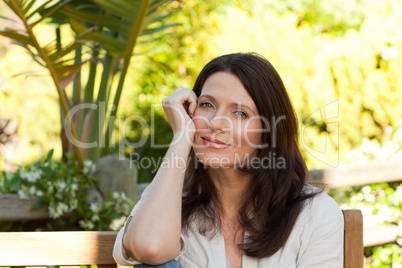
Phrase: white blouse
[316,241]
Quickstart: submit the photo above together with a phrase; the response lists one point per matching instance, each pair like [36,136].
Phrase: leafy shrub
[65,190]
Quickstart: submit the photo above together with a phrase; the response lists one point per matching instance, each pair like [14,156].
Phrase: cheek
[200,123]
[252,135]
[200,120]
[254,139]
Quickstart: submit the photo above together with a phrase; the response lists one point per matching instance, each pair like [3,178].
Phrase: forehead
[227,87]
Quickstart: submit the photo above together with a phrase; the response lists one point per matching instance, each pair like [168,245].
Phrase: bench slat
[353,239]
[380,234]
[56,248]
[354,175]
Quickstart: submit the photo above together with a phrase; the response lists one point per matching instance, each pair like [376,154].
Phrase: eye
[242,114]
[206,105]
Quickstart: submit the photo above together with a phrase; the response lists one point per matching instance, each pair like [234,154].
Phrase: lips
[214,143]
[213,140]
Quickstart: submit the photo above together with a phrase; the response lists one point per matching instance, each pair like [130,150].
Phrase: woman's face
[228,126]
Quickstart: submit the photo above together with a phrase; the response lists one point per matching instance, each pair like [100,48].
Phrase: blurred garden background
[341,61]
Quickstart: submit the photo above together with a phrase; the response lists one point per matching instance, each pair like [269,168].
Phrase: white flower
[32,190]
[366,189]
[88,163]
[32,176]
[119,195]
[74,186]
[369,198]
[73,204]
[58,211]
[61,185]
[359,196]
[115,195]
[94,207]
[89,167]
[63,207]
[95,218]
[117,224]
[22,194]
[86,224]
[53,212]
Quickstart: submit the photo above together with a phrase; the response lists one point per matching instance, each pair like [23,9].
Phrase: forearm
[154,231]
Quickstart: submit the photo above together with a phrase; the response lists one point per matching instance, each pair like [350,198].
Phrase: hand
[179,109]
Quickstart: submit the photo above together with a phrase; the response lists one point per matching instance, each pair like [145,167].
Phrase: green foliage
[63,188]
[385,256]
[332,16]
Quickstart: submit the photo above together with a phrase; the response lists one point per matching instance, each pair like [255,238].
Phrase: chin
[213,160]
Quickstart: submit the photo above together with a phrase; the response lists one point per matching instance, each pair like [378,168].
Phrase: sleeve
[119,253]
[325,245]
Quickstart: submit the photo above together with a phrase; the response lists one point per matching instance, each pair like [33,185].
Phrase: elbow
[147,252]
[151,255]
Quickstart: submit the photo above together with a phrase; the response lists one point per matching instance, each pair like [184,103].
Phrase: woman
[238,196]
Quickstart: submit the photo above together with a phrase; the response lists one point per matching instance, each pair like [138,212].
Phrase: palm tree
[106,33]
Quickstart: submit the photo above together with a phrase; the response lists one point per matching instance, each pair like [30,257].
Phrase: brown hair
[275,196]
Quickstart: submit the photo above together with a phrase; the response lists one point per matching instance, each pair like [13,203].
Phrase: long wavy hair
[274,197]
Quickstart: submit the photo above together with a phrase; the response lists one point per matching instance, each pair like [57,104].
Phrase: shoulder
[320,208]
[319,231]
[321,199]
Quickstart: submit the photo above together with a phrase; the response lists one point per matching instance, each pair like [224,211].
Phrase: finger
[189,98]
[192,103]
[191,108]
[180,88]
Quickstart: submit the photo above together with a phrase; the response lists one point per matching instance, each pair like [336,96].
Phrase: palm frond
[47,12]
[35,11]
[17,36]
[112,45]
[121,8]
[115,21]
[98,20]
[150,31]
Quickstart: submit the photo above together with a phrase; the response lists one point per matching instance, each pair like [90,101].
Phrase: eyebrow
[231,104]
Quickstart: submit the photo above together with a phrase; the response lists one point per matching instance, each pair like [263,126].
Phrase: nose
[219,123]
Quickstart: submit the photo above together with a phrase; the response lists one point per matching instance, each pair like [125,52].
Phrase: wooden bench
[57,248]
[85,248]
[353,239]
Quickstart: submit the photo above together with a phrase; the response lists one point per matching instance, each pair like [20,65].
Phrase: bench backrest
[57,248]
[85,248]
[353,239]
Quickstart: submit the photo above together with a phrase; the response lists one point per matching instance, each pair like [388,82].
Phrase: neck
[230,185]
